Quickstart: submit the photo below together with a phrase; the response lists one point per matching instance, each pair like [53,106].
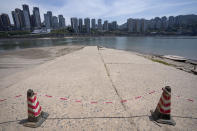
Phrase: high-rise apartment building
[20,19]
[74,24]
[32,19]
[171,21]
[80,25]
[87,25]
[144,25]
[1,24]
[105,25]
[93,22]
[61,21]
[138,25]
[157,23]
[55,23]
[164,23]
[152,24]
[114,25]
[49,13]
[100,24]
[27,20]
[131,24]
[5,22]
[178,21]
[47,21]
[17,25]
[37,19]
[26,8]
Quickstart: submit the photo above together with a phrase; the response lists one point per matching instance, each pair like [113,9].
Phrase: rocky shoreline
[187,66]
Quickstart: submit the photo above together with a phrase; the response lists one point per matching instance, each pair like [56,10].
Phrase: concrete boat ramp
[103,89]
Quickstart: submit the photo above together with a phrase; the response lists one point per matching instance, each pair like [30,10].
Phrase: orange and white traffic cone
[163,110]
[35,114]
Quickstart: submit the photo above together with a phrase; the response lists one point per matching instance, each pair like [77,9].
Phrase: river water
[181,46]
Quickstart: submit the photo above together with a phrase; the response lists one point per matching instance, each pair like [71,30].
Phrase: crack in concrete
[119,63]
[114,87]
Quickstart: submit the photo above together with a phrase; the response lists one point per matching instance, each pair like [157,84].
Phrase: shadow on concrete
[185,117]
[6,122]
[78,118]
[73,118]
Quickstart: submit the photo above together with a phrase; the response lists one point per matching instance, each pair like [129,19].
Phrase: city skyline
[106,10]
[24,20]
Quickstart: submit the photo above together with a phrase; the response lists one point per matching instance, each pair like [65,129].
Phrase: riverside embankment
[105,89]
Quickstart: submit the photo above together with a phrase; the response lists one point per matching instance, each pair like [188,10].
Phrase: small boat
[175,58]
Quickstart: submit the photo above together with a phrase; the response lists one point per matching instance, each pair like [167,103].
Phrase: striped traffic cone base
[161,119]
[38,123]
[163,110]
[35,114]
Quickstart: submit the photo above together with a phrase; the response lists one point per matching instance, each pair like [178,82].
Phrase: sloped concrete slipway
[99,89]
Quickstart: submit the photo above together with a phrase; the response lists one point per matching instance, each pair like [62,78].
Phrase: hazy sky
[110,10]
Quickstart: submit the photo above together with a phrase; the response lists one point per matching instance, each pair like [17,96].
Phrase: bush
[18,32]
[60,31]
[3,34]
[12,33]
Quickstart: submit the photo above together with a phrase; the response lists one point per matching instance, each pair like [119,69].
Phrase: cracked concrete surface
[103,76]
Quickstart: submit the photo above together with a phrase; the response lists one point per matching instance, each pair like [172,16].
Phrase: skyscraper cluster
[23,20]
[136,25]
[161,24]
[53,22]
[86,25]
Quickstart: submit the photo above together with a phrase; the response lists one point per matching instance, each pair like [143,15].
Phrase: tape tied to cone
[35,114]
[162,113]
[34,109]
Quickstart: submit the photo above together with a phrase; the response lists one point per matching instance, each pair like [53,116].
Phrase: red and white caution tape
[188,99]
[101,100]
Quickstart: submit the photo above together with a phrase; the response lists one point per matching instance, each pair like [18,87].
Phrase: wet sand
[15,61]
